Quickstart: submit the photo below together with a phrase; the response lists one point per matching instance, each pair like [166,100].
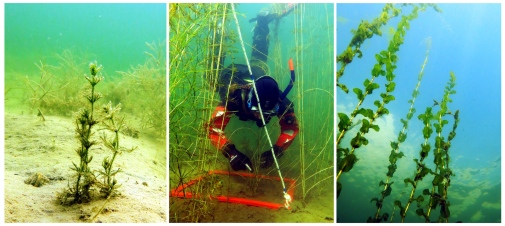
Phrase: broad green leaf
[376,70]
[358,93]
[427,131]
[402,136]
[390,87]
[391,170]
[365,126]
[394,145]
[377,103]
[371,87]
[405,123]
[344,122]
[366,83]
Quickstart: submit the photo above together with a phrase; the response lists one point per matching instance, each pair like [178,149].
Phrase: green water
[115,34]
[48,49]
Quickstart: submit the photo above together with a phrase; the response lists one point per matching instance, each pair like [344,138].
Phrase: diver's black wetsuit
[233,86]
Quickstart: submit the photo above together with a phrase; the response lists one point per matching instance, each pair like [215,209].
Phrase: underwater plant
[385,66]
[52,90]
[85,121]
[112,123]
[148,82]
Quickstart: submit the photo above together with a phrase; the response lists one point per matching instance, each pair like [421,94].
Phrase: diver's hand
[267,159]
[238,161]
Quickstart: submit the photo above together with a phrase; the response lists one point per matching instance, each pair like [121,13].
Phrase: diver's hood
[268,93]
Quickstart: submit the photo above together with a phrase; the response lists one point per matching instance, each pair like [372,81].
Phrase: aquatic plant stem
[409,116]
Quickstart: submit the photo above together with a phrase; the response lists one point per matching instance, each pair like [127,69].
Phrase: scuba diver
[237,96]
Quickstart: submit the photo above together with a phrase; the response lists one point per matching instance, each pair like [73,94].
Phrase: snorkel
[290,85]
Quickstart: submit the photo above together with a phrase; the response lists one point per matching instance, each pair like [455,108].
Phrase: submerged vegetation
[79,191]
[58,89]
[200,34]
[365,117]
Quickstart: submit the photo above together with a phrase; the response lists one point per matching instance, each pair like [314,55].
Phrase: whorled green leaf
[415,93]
[390,87]
[383,111]
[402,209]
[377,103]
[368,113]
[437,180]
[358,140]
[378,202]
[343,87]
[452,134]
[371,87]
[427,131]
[438,159]
[405,123]
[344,122]
[420,212]
[387,98]
[401,137]
[347,163]
[425,150]
[365,126]
[375,127]
[420,200]
[366,82]
[439,142]
[411,113]
[408,180]
[378,57]
[394,145]
[424,171]
[388,190]
[434,201]
[398,203]
[393,157]
[376,71]
[359,93]
[384,54]
[391,170]
[438,128]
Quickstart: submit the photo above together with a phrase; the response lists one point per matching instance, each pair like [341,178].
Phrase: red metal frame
[178,192]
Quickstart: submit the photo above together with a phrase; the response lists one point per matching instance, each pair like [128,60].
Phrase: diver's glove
[238,161]
[267,159]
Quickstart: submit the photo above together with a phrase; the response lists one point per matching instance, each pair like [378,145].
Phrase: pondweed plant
[43,88]
[113,124]
[395,153]
[442,172]
[85,121]
[385,66]
[148,82]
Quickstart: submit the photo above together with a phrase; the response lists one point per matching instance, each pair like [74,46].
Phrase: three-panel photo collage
[252,112]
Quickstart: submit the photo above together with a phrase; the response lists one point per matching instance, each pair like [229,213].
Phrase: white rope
[286,195]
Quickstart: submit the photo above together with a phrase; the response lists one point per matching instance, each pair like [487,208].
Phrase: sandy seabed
[48,147]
